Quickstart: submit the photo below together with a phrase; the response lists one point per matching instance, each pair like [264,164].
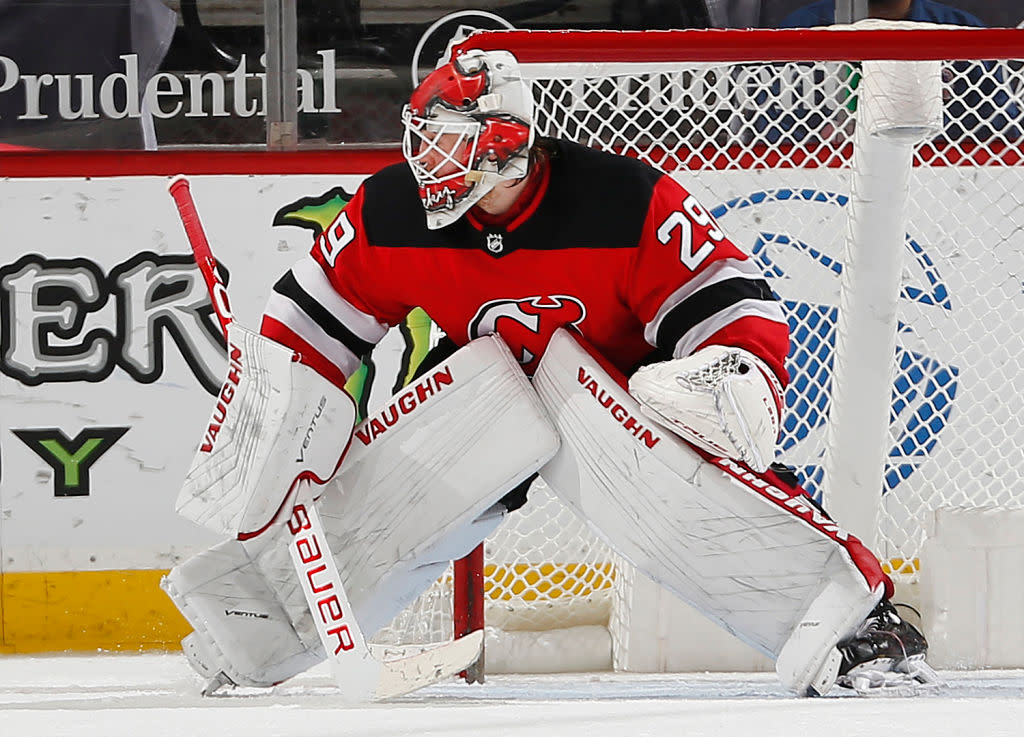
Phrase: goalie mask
[468,126]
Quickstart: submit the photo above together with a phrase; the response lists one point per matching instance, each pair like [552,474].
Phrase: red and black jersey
[604,244]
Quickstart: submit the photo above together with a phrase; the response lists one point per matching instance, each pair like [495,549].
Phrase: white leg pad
[475,429]
[759,561]
[418,487]
[249,616]
[808,663]
[241,625]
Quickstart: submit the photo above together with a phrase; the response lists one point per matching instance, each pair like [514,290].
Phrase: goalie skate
[886,656]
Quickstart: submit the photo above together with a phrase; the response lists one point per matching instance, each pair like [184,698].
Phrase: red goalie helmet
[468,125]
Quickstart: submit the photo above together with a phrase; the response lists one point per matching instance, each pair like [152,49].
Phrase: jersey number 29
[691,253]
[340,233]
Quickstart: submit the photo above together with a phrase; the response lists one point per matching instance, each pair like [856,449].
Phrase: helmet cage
[440,153]
[467,127]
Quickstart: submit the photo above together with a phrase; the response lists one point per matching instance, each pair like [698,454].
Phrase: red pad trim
[307,354]
[795,501]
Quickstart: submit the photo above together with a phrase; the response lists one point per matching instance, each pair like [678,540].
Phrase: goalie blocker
[753,555]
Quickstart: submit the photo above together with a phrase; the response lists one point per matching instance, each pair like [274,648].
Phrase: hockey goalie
[601,331]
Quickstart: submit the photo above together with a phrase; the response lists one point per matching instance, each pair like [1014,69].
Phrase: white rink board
[83,230]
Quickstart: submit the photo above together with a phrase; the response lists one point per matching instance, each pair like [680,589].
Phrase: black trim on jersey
[705,303]
[593,200]
[288,287]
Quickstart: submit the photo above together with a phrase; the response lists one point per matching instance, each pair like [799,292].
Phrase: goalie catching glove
[721,399]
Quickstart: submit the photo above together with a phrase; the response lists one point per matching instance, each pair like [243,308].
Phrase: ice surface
[110,695]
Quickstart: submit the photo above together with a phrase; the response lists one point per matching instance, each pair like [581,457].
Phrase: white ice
[147,695]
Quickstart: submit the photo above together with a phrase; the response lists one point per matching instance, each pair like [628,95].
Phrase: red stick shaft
[182,194]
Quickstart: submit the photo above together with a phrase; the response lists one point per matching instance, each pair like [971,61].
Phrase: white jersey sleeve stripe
[716,272]
[292,316]
[703,330]
[311,277]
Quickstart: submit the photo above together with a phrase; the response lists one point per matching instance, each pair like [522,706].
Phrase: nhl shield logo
[495,242]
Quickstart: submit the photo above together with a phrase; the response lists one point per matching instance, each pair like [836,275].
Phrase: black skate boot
[885,652]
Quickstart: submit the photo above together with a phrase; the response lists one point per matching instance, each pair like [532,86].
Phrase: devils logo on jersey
[526,325]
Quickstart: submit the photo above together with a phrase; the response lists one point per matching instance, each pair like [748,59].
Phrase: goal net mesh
[768,148]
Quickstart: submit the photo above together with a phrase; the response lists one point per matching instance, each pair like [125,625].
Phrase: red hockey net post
[468,604]
[876,176]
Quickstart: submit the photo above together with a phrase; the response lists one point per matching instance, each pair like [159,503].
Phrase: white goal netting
[771,148]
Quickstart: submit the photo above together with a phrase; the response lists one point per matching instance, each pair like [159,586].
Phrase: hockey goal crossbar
[922,43]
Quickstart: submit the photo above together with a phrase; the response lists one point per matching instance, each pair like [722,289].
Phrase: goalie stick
[360,670]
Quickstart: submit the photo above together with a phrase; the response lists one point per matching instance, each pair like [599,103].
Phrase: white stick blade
[402,676]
